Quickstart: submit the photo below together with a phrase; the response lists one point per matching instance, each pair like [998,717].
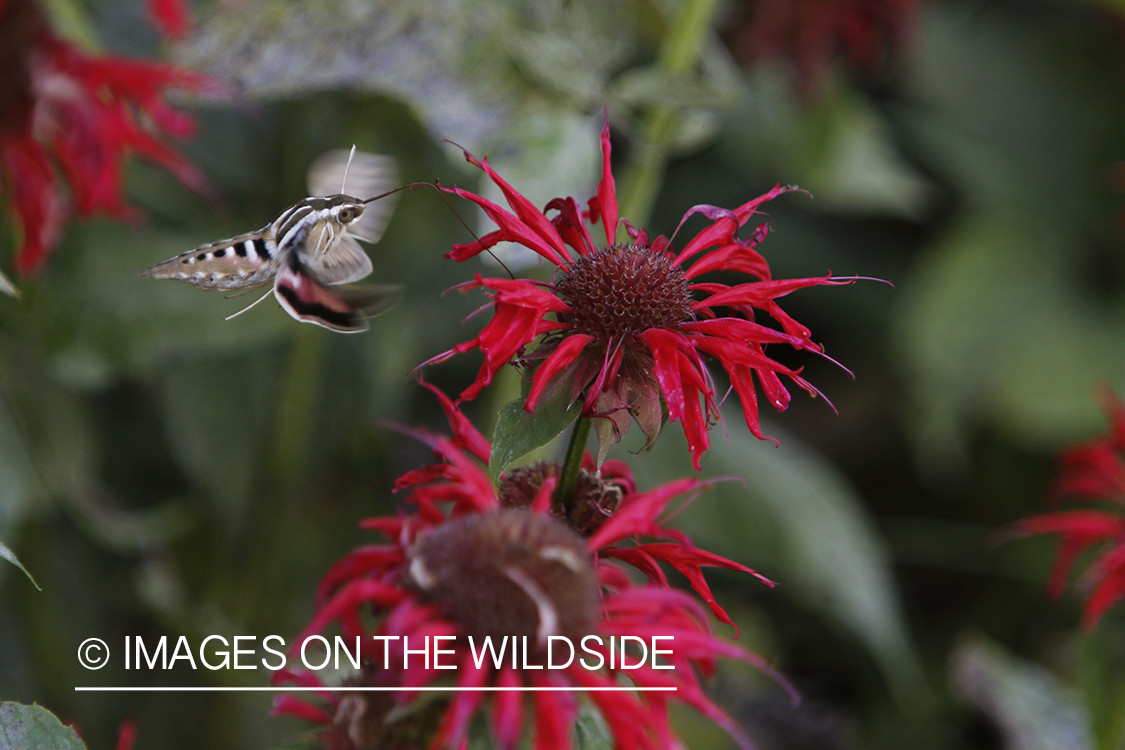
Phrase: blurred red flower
[71,117]
[503,564]
[126,735]
[810,33]
[627,328]
[172,17]
[1093,472]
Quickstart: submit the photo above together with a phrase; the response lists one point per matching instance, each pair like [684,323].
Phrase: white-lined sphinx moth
[307,249]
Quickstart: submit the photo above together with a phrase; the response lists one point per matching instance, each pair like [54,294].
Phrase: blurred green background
[163,472]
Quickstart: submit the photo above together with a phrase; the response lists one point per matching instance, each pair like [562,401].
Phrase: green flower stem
[269,566]
[297,406]
[679,51]
[572,464]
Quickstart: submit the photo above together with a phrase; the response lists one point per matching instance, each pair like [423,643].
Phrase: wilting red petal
[570,225]
[726,223]
[742,331]
[682,557]
[722,231]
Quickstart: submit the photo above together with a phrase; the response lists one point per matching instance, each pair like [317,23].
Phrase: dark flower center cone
[595,499]
[622,291]
[508,573]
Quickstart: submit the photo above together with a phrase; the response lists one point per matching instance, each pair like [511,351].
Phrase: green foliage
[1034,707]
[10,556]
[518,432]
[34,728]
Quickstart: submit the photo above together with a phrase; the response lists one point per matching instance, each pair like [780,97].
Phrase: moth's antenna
[235,315]
[344,181]
[448,205]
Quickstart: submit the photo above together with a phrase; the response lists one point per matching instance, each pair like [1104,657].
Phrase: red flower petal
[606,193]
[1105,595]
[507,710]
[679,371]
[465,435]
[639,516]
[528,226]
[562,357]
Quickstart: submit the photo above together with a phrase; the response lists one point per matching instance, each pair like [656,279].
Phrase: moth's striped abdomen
[239,263]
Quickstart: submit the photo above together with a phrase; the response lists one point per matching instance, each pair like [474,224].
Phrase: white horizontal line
[139,689]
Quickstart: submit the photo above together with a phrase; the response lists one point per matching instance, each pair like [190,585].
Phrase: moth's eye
[347,214]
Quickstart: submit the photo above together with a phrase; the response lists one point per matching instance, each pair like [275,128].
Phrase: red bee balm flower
[1094,472]
[626,327]
[503,566]
[61,106]
[810,33]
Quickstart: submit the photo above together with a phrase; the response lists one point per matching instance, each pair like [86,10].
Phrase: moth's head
[345,209]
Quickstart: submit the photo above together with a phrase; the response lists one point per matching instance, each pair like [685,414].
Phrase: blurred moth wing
[365,174]
[306,300]
[345,310]
[310,246]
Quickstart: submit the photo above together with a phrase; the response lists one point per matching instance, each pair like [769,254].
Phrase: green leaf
[17,473]
[34,728]
[7,287]
[414,51]
[1033,707]
[591,732]
[216,451]
[10,556]
[1032,370]
[519,432]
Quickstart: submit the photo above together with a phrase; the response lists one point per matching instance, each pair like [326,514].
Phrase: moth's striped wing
[242,262]
[367,176]
[343,263]
[301,296]
[343,310]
